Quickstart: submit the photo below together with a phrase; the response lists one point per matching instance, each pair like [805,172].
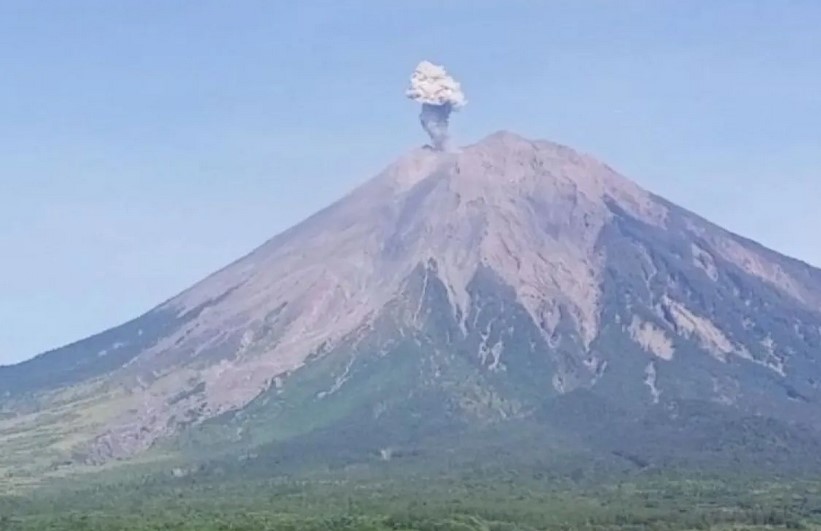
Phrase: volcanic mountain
[513,285]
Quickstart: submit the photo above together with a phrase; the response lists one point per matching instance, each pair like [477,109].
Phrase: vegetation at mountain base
[463,501]
[490,480]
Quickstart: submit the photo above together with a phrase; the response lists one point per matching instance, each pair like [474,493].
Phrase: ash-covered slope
[452,290]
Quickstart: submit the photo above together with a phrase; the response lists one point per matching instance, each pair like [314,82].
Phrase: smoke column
[439,95]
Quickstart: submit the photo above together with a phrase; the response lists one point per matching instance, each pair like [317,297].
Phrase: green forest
[470,500]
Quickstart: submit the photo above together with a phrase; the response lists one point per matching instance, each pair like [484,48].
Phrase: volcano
[512,286]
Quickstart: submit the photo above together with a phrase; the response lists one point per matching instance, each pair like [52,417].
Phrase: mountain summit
[512,283]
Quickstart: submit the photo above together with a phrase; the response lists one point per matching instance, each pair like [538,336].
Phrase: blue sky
[146,143]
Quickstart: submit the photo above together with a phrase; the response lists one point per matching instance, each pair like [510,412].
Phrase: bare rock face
[496,278]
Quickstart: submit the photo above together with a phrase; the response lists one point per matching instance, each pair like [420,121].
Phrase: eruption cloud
[439,95]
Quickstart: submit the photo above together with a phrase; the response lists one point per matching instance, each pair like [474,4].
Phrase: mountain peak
[534,269]
[504,140]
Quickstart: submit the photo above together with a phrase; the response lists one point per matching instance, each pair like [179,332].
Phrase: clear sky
[146,143]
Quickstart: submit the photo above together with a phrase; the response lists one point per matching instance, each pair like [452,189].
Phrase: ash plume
[439,95]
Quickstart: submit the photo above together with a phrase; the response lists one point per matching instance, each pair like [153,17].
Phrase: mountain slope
[513,281]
